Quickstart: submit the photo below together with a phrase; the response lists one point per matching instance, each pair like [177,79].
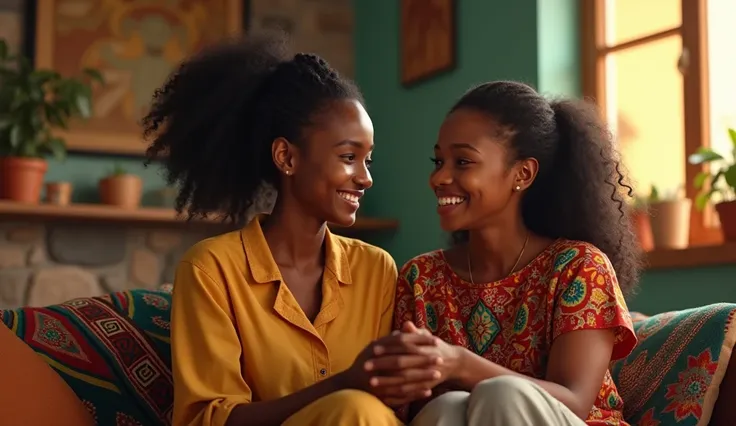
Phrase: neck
[494,250]
[295,238]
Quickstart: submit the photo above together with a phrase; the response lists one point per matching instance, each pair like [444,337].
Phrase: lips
[450,201]
[351,197]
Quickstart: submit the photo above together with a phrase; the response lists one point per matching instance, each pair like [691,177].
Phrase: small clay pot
[21,179]
[59,193]
[124,191]
[727,217]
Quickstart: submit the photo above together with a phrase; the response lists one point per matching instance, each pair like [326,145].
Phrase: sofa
[113,352]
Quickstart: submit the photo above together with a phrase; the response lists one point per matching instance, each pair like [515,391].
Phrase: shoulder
[212,253]
[423,262]
[573,254]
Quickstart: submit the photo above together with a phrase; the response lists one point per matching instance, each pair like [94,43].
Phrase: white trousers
[502,401]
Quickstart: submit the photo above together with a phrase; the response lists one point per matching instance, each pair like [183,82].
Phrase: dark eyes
[459,162]
[351,158]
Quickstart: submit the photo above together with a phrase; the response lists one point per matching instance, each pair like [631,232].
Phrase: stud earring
[288,172]
[517,188]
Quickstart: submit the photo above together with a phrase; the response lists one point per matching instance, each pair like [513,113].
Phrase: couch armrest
[723,410]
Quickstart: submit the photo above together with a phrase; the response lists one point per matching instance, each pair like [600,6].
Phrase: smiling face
[330,170]
[473,178]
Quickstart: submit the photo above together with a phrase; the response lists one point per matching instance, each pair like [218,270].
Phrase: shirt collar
[263,267]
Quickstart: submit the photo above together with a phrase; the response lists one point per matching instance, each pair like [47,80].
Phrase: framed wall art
[428,39]
[135,44]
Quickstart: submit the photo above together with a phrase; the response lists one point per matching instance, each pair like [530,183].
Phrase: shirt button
[323,371]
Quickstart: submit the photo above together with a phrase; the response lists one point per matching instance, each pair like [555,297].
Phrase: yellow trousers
[344,408]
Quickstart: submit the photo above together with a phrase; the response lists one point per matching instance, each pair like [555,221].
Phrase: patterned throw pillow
[112,350]
[673,375]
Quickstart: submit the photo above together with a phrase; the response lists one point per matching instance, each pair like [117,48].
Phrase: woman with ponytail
[273,324]
[527,305]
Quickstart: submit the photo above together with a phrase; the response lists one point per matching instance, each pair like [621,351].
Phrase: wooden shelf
[148,216]
[692,257]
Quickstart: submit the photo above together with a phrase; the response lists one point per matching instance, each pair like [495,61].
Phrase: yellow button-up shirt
[238,335]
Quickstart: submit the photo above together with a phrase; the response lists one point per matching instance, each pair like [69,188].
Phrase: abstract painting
[135,44]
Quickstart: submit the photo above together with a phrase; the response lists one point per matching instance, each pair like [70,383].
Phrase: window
[649,66]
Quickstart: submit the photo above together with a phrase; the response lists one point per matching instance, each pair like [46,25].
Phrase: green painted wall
[84,171]
[535,41]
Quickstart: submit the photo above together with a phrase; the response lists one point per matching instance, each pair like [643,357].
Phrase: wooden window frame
[693,30]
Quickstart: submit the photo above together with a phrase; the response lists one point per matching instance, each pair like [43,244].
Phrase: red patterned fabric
[513,322]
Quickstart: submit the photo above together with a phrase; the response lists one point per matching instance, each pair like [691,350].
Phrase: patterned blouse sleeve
[404,305]
[587,296]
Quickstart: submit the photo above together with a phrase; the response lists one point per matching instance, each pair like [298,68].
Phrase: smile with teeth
[449,201]
[349,197]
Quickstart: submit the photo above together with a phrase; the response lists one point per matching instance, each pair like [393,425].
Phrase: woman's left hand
[447,366]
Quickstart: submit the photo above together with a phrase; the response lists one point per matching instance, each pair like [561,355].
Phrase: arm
[577,364]
[209,389]
[587,335]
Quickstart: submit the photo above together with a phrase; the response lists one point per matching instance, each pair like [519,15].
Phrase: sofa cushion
[32,393]
[113,351]
[674,373]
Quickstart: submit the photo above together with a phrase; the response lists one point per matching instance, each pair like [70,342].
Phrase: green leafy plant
[35,101]
[721,180]
[117,170]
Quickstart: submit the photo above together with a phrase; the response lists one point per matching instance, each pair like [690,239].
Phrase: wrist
[340,381]
[458,361]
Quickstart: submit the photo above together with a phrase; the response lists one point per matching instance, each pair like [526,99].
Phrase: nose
[440,176]
[363,178]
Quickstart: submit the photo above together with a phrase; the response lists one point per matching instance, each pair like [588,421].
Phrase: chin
[342,219]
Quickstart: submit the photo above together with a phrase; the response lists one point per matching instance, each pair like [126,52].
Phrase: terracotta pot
[670,221]
[727,217]
[643,229]
[59,193]
[122,191]
[21,179]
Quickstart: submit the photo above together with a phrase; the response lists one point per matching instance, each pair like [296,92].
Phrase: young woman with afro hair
[527,305]
[273,324]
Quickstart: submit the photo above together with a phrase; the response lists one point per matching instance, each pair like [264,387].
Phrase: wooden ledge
[692,257]
[144,216]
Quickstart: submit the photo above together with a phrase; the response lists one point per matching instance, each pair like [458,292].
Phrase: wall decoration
[428,37]
[135,44]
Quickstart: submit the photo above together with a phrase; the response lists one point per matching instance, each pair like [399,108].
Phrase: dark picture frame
[428,39]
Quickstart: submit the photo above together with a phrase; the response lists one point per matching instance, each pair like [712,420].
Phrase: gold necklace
[518,259]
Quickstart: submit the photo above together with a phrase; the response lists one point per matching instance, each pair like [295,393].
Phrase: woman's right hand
[402,360]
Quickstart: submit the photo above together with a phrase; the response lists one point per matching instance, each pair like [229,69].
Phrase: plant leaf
[730,175]
[94,75]
[654,194]
[700,179]
[704,155]
[732,134]
[84,105]
[57,148]
[702,199]
[15,136]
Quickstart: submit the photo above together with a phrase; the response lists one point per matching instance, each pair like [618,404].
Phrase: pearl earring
[517,188]
[288,172]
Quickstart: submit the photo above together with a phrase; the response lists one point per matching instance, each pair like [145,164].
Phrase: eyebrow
[355,144]
[461,146]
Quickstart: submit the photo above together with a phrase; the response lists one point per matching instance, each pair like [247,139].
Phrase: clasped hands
[404,366]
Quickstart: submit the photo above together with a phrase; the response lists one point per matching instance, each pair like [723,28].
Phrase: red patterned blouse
[513,322]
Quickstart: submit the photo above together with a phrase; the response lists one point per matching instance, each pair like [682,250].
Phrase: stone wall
[43,264]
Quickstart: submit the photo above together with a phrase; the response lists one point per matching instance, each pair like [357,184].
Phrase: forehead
[343,120]
[469,126]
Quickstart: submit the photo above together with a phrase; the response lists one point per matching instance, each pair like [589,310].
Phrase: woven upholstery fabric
[672,376]
[112,350]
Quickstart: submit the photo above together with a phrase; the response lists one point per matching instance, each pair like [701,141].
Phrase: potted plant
[670,219]
[718,185]
[642,222]
[32,103]
[121,189]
